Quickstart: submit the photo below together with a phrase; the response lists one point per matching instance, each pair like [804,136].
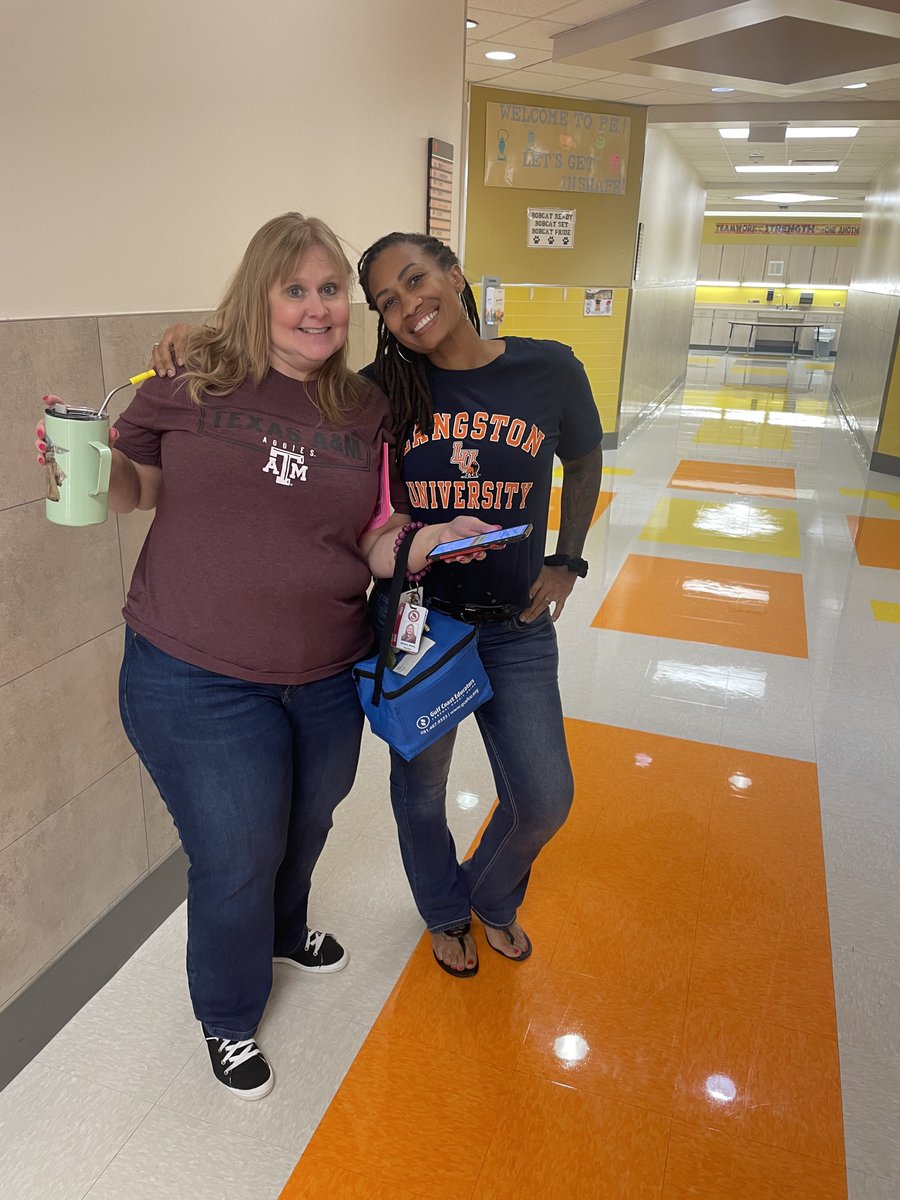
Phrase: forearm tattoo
[580,489]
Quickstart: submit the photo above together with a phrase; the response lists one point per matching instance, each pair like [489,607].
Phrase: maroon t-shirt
[251,567]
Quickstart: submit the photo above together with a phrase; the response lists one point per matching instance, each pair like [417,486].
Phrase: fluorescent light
[470,24]
[721,89]
[500,55]
[849,87]
[730,212]
[822,168]
[812,131]
[718,283]
[797,131]
[785,197]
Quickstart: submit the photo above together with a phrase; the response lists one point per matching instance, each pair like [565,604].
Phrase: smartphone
[450,550]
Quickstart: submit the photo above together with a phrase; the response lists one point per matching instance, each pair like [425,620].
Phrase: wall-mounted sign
[551,228]
[555,149]
[598,302]
[439,196]
[812,229]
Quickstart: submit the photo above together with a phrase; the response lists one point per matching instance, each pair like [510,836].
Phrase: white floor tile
[176,1157]
[871,1091]
[309,1053]
[134,1037]
[871,1187]
[58,1133]
[870,1001]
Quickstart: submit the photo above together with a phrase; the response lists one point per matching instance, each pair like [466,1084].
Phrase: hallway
[712,1005]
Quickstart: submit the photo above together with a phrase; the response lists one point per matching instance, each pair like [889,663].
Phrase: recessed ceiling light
[500,55]
[721,89]
[850,87]
[797,131]
[822,131]
[822,168]
[784,197]
[470,24]
[800,216]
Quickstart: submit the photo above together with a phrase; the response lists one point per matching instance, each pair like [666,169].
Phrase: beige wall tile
[60,876]
[126,342]
[61,587]
[39,357]
[162,836]
[59,733]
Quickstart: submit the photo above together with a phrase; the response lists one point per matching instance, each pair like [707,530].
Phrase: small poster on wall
[551,228]
[598,302]
[439,197]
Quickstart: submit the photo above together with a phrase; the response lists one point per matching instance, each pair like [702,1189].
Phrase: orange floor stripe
[603,502]
[742,607]
[673,1034]
[876,540]
[737,478]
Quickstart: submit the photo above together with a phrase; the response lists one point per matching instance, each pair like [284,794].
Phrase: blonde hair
[235,342]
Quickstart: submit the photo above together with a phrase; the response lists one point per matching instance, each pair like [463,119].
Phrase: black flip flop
[526,953]
[459,932]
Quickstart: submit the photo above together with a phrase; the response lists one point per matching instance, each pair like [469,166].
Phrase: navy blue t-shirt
[490,455]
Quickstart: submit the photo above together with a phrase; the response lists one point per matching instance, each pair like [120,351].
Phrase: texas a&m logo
[466,460]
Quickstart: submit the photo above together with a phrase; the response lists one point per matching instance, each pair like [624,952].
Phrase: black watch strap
[577,566]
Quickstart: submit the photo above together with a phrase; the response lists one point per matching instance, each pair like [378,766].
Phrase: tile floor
[713,1003]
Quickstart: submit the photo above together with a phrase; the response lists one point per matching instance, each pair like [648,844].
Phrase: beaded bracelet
[409,530]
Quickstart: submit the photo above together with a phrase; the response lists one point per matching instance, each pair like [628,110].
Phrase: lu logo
[466,460]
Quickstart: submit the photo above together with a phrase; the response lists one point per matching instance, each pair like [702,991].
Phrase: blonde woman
[248,608]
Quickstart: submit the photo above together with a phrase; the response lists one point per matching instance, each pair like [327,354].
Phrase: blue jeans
[524,735]
[251,774]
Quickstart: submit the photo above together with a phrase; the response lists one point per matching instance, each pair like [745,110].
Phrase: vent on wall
[776,267]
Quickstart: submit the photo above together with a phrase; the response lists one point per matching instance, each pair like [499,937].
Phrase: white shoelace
[235,1054]
[314,940]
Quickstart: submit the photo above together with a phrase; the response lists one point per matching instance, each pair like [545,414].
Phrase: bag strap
[397,581]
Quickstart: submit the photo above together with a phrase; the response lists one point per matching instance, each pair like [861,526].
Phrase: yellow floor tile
[876,541]
[739,478]
[703,602]
[740,525]
[886,610]
[891,499]
[740,433]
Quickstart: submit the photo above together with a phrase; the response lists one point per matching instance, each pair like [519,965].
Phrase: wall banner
[555,149]
[813,229]
[551,229]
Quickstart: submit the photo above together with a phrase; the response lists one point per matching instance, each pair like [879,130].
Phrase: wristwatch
[577,566]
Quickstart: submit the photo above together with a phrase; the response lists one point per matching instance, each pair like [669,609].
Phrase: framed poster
[439,193]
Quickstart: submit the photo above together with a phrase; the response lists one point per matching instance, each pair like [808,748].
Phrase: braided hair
[399,372]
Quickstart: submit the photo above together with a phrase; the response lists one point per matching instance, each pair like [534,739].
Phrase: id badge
[409,626]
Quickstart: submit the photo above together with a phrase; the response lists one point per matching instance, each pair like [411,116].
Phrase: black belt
[474,614]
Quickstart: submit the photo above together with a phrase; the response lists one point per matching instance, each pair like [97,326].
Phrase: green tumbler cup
[78,462]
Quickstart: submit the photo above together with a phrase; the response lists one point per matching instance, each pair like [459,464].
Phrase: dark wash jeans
[523,732]
[251,774]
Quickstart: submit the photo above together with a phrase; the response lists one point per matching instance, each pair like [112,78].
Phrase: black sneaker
[241,1066]
[320,953]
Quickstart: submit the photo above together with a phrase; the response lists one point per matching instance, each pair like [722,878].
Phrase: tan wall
[868,343]
[496,220]
[143,143]
[662,301]
[137,163]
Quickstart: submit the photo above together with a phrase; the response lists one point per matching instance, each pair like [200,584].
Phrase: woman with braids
[478,424]
[247,611]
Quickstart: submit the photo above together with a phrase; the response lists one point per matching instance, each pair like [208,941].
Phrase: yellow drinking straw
[132,382]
